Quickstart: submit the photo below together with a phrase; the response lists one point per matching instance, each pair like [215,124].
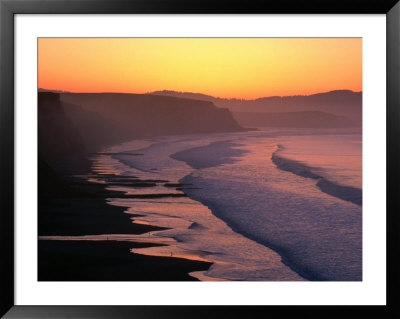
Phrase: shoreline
[78,208]
[312,271]
[308,275]
[83,260]
[144,183]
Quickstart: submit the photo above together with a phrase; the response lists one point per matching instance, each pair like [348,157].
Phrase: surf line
[347,193]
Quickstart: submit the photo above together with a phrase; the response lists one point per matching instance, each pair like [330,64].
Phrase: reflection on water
[197,233]
[247,191]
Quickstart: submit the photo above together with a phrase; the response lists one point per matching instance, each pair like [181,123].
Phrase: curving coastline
[284,233]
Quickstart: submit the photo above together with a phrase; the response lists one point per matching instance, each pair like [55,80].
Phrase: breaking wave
[348,193]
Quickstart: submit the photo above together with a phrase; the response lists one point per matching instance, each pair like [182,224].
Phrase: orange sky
[223,67]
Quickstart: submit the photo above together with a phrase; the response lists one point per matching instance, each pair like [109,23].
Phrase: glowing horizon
[241,68]
[218,97]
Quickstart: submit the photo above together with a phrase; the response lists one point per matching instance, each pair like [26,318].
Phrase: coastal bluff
[72,125]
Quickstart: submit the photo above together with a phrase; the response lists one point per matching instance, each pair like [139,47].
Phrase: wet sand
[61,260]
[78,208]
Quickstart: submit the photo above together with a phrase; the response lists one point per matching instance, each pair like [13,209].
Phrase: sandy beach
[78,208]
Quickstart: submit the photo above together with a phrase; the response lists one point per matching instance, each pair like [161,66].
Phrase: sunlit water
[251,219]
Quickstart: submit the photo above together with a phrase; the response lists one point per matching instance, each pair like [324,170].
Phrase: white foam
[317,234]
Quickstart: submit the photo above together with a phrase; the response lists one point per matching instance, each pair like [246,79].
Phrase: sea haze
[274,204]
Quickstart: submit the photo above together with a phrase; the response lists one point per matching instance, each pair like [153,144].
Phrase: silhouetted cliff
[74,125]
[60,145]
[340,102]
[140,115]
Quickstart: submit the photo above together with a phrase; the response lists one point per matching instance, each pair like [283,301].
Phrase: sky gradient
[244,68]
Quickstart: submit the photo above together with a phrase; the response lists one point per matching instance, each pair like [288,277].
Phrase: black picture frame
[9,8]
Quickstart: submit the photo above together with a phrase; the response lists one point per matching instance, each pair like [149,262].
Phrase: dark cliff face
[139,115]
[73,125]
[59,143]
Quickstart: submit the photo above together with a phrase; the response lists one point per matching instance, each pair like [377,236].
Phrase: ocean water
[268,205]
